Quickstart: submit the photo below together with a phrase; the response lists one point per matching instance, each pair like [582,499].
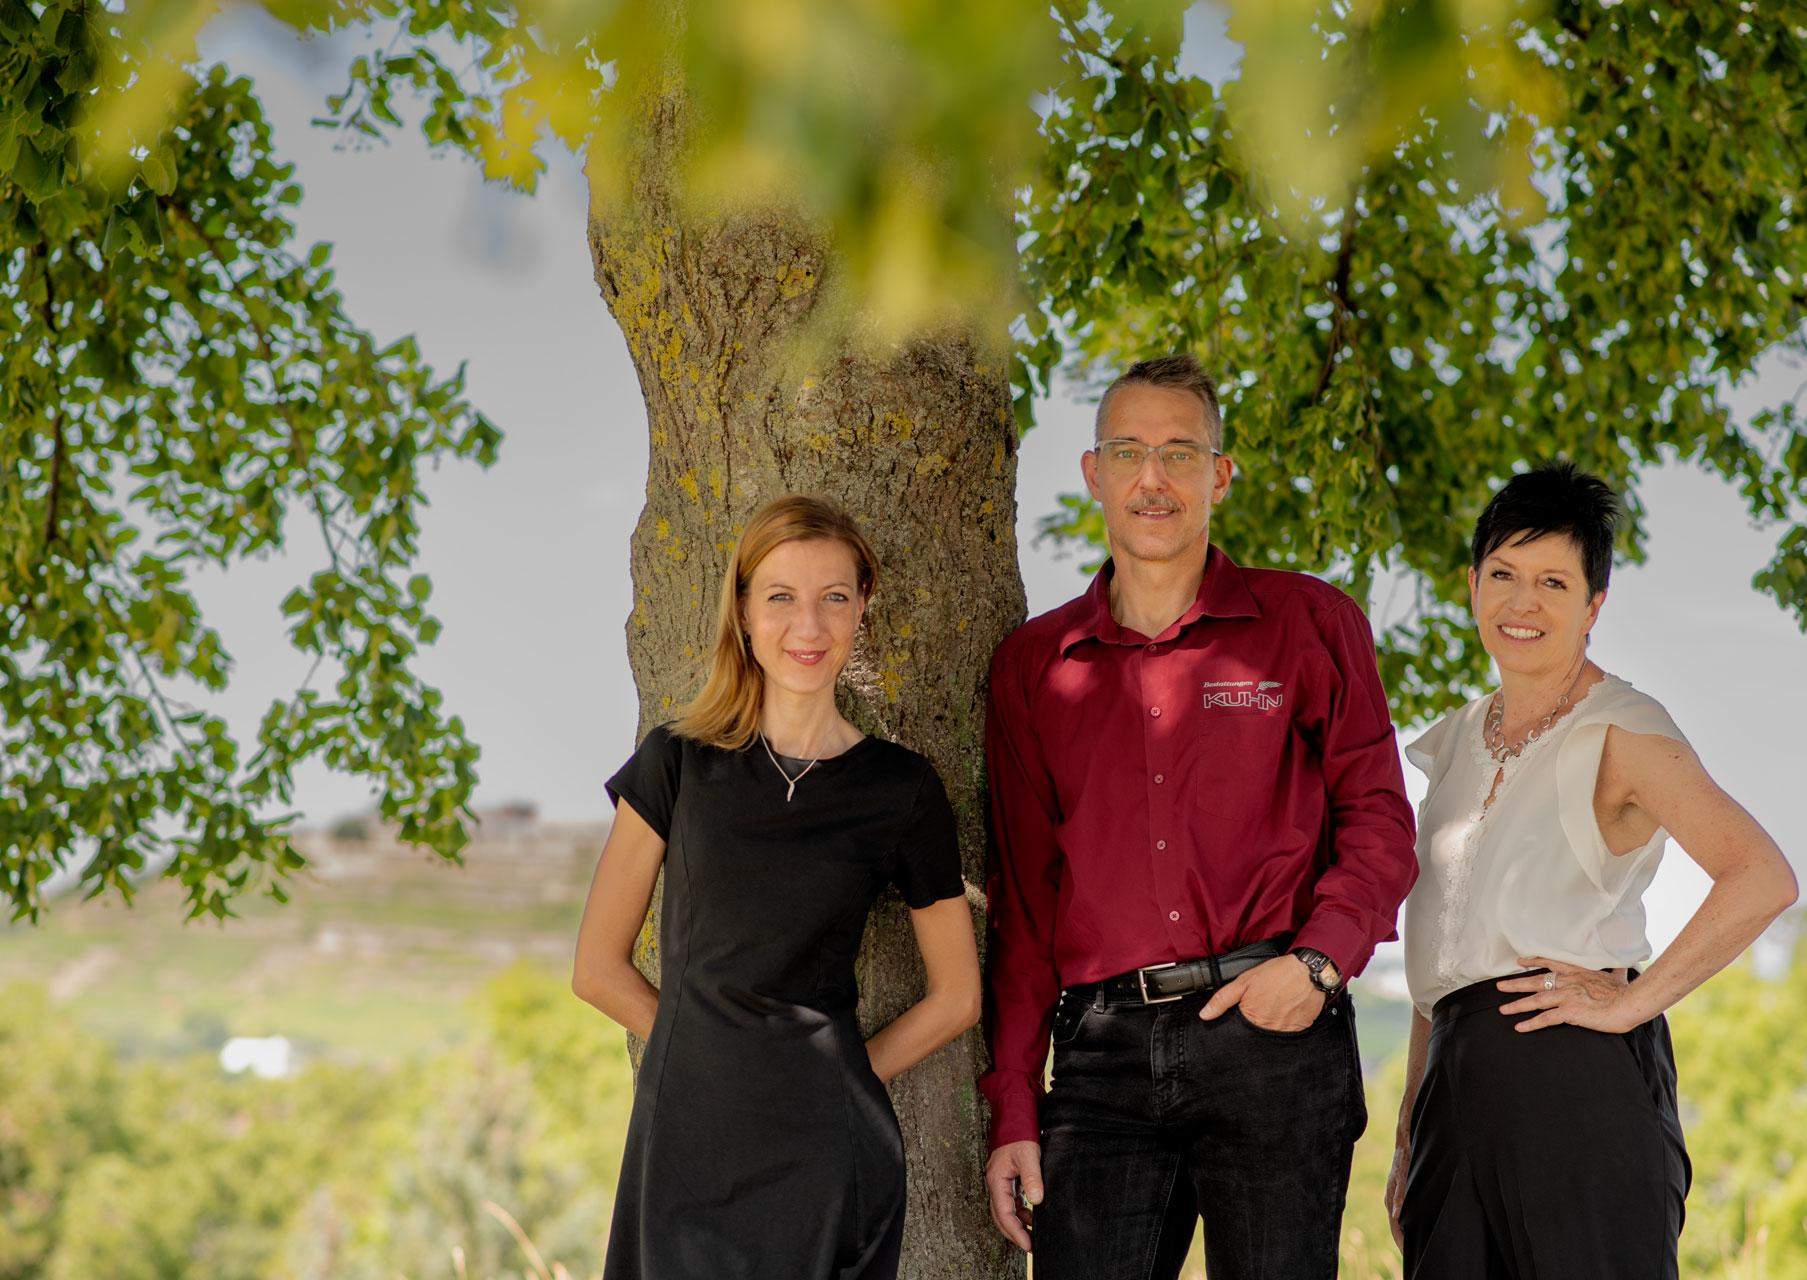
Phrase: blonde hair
[726,712]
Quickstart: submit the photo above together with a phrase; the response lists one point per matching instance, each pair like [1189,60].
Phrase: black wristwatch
[1318,962]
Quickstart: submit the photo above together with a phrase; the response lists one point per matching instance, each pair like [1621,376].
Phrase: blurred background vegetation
[443,1084]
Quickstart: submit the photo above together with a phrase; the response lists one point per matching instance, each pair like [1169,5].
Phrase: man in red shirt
[1200,833]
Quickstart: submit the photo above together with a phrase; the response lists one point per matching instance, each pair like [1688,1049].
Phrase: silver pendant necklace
[791,783]
[1493,731]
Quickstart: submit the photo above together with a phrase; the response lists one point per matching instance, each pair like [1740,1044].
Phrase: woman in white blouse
[1539,1134]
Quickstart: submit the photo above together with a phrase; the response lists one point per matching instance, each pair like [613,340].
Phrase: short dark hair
[1182,372]
[1554,497]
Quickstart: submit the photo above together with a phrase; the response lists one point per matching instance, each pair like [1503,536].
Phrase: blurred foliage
[898,128]
[894,127]
[1741,1044]
[1325,87]
[162,1168]
[1421,243]
[59,1111]
[574,1059]
[474,1139]
[181,387]
[1390,360]
[167,1168]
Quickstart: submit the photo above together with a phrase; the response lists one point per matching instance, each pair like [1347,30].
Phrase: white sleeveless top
[1532,875]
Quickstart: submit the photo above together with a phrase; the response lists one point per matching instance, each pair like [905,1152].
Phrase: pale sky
[529,561]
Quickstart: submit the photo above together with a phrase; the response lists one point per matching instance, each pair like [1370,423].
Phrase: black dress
[761,1143]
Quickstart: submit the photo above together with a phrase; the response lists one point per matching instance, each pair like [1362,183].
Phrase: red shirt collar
[1222,593]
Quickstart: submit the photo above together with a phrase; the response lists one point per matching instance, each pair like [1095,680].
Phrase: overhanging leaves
[180,388]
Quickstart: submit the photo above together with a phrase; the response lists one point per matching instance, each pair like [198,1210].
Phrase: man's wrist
[1325,976]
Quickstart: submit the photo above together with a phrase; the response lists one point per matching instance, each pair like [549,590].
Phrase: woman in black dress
[762,1142]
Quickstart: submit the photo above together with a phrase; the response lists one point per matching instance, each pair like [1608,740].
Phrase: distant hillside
[375,954]
[372,958]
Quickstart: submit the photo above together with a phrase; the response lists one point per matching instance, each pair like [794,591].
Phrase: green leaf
[160,170]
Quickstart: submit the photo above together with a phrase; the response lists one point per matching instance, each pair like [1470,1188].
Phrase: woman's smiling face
[801,612]
[1532,604]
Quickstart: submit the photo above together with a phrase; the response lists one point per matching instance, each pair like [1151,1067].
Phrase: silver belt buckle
[1142,981]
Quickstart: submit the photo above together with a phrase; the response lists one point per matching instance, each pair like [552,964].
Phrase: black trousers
[1156,1118]
[1555,1154]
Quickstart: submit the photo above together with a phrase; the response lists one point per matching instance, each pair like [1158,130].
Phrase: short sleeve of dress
[926,867]
[1578,771]
[649,780]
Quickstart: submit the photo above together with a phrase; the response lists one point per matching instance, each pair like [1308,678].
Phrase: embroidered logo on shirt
[1244,695]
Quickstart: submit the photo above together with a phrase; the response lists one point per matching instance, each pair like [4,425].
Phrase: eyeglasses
[1182,459]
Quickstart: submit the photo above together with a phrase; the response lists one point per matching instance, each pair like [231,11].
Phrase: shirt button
[1173,915]
[1154,711]
[1159,778]
[1154,648]
[1160,844]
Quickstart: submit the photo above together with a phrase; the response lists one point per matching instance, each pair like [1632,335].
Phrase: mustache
[1153,506]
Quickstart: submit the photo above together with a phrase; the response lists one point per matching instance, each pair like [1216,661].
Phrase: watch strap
[1315,961]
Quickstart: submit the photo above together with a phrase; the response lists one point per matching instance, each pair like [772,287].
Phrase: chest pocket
[1241,756]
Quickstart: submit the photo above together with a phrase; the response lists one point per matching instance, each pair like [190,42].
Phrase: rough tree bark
[921,449]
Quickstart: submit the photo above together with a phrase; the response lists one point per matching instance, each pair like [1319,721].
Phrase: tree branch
[60,444]
[263,339]
[1339,297]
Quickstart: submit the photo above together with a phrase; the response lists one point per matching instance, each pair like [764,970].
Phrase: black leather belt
[1160,983]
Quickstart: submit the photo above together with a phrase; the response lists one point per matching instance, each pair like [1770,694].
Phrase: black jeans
[1156,1118]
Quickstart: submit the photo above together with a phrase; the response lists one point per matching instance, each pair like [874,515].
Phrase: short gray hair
[1182,372]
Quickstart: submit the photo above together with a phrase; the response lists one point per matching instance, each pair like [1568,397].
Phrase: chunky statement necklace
[1493,731]
[790,782]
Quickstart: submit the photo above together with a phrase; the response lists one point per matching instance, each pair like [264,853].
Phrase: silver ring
[1549,982]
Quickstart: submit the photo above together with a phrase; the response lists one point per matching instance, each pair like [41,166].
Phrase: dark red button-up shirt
[1167,798]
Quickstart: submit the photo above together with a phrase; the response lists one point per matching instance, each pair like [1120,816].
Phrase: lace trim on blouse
[1460,871]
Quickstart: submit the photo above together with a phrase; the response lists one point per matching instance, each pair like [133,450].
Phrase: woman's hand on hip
[1571,994]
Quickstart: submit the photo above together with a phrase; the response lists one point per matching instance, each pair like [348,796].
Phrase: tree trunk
[921,449]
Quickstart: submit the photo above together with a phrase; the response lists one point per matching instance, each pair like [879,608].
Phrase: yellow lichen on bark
[638,278]
[646,943]
[797,279]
